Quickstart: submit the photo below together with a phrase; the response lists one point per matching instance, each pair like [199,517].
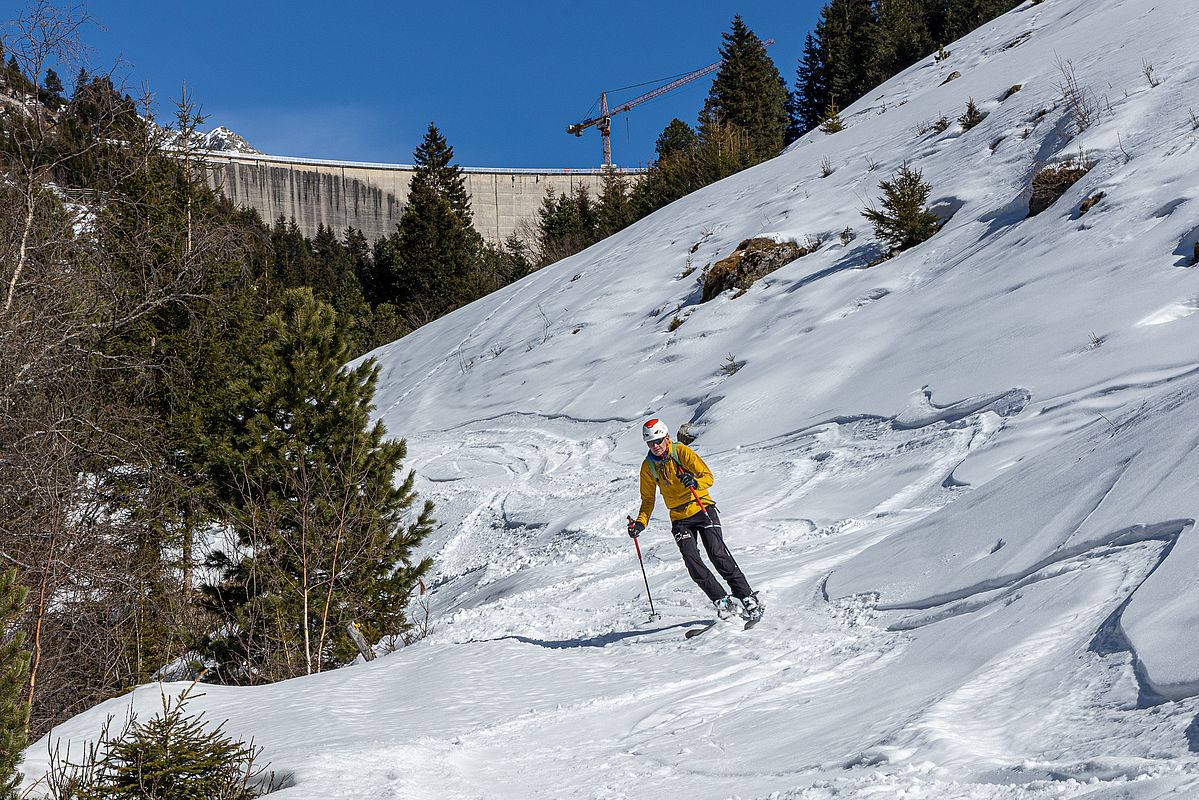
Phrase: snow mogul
[684,479]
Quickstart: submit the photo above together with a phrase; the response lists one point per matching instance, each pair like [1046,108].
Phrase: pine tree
[902,37]
[903,221]
[436,172]
[14,664]
[677,137]
[176,756]
[438,256]
[849,37]
[748,92]
[82,79]
[559,228]
[811,96]
[615,211]
[52,84]
[963,16]
[308,484]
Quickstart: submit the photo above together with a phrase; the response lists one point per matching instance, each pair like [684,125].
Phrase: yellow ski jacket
[664,475]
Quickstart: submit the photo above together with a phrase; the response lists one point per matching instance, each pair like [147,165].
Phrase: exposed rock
[1051,183]
[752,259]
[1089,203]
[953,76]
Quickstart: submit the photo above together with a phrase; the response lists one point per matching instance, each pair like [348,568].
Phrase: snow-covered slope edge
[960,478]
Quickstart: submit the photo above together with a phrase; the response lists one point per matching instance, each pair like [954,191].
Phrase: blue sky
[362,80]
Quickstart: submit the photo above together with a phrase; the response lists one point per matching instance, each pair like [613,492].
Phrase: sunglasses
[655,442]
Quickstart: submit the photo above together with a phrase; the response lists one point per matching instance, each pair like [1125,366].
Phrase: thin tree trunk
[37,629]
[22,253]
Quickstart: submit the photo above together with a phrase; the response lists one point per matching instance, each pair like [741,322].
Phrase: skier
[683,478]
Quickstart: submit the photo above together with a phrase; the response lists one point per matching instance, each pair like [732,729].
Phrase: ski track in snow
[990,439]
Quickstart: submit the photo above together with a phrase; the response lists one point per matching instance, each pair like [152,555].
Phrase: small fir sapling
[971,117]
[903,221]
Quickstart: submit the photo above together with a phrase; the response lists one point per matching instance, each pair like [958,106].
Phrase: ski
[691,634]
[751,623]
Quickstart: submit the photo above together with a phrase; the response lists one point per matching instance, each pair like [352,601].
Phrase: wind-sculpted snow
[1122,480]
[963,479]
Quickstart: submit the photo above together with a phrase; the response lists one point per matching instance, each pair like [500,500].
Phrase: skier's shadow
[599,641]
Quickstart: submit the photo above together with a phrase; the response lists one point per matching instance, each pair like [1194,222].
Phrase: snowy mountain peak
[224,140]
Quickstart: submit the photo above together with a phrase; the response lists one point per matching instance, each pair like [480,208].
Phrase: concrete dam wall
[371,197]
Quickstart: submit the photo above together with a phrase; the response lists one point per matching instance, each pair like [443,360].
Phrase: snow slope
[963,479]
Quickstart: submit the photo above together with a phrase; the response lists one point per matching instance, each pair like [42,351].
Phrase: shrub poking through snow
[832,120]
[1051,182]
[941,125]
[175,755]
[1089,203]
[903,221]
[971,117]
[752,259]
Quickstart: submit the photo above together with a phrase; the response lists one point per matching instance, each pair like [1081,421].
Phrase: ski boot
[751,609]
[724,606]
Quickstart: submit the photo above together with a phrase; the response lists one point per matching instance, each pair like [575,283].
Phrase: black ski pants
[705,527]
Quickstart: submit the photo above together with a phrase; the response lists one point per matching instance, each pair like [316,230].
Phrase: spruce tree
[438,257]
[849,37]
[904,221]
[52,84]
[436,172]
[963,16]
[811,97]
[902,37]
[307,482]
[560,230]
[615,211]
[176,756]
[14,665]
[748,92]
[82,79]
[677,137]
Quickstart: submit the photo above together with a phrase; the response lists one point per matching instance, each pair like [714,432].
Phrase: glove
[689,481]
[635,529]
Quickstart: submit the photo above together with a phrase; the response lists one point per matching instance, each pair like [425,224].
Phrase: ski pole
[695,494]
[652,614]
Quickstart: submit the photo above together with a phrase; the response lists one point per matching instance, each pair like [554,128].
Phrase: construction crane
[604,120]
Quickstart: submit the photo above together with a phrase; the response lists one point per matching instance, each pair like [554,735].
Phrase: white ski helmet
[654,429]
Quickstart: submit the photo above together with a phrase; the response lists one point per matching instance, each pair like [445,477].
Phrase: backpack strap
[653,463]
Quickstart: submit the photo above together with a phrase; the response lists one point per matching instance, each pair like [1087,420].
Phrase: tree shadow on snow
[599,641]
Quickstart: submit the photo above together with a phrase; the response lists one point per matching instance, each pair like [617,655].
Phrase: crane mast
[603,120]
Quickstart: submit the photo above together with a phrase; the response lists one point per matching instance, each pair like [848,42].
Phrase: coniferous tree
[615,210]
[963,16]
[849,37]
[811,96]
[438,255]
[560,230]
[14,663]
[748,92]
[903,221]
[677,137]
[308,483]
[81,81]
[435,171]
[903,37]
[52,84]
[434,261]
